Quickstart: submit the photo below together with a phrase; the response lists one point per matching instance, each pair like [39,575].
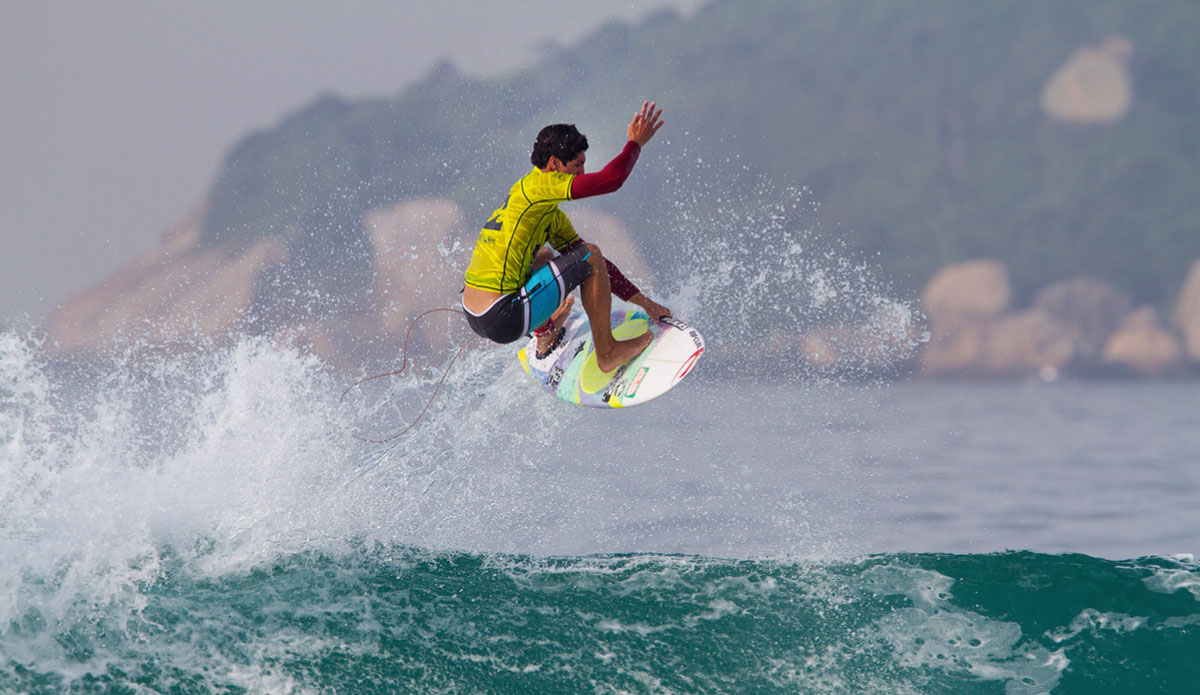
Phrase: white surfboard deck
[570,372]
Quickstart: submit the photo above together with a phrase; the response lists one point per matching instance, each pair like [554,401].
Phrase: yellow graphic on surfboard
[570,372]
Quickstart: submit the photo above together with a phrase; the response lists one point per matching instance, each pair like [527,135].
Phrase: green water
[400,620]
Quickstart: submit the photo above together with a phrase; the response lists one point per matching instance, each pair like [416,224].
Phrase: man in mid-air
[515,286]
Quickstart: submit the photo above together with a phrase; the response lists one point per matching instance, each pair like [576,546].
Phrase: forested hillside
[1062,138]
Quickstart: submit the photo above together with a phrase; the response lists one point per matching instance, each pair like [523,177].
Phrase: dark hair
[562,140]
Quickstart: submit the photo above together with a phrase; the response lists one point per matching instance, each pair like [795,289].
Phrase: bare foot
[623,351]
[557,319]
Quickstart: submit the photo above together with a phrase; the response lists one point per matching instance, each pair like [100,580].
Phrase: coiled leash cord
[403,365]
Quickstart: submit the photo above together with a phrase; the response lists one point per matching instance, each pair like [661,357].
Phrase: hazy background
[115,116]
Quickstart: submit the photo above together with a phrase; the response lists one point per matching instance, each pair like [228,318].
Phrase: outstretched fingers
[645,123]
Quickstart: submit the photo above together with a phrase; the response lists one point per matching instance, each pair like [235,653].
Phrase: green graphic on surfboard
[570,372]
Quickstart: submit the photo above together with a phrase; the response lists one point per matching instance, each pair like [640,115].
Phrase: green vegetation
[916,126]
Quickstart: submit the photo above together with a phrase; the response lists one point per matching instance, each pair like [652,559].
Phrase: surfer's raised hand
[653,309]
[645,124]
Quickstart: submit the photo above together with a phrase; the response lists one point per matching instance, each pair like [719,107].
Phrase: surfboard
[570,372]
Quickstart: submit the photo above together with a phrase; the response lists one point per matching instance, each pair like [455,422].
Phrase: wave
[198,518]
[201,521]
[392,619]
[243,443]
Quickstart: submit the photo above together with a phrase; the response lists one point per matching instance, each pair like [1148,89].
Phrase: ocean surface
[204,522]
[204,517]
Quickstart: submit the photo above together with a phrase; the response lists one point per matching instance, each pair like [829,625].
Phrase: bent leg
[547,292]
[597,302]
[546,332]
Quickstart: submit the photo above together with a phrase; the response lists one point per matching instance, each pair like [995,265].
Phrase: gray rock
[1090,307]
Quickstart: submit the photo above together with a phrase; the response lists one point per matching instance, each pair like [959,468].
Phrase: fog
[115,116]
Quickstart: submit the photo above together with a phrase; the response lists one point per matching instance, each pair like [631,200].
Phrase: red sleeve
[610,177]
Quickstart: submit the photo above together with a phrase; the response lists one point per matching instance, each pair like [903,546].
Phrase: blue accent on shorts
[532,305]
[548,287]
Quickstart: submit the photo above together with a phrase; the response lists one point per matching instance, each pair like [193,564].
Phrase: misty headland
[1024,175]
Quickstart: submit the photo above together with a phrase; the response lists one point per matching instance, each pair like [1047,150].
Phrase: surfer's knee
[596,260]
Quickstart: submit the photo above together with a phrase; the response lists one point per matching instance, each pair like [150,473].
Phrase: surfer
[515,285]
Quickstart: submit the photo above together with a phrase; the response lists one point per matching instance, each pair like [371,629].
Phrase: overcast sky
[115,115]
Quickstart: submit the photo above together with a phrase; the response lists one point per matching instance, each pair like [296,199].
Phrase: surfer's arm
[644,125]
[610,177]
[653,309]
[620,285]
[627,291]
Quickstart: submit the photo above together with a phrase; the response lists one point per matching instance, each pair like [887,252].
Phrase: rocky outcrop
[961,301]
[1079,326]
[1089,308]
[419,260]
[1023,343]
[885,343]
[968,290]
[1027,342]
[1187,312]
[1144,345]
[1093,86]
[187,289]
[177,291]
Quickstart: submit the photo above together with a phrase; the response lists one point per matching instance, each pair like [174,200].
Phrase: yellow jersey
[528,219]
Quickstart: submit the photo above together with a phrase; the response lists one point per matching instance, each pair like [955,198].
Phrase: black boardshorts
[516,314]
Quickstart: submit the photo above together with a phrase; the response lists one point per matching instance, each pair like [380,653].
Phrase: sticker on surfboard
[570,372]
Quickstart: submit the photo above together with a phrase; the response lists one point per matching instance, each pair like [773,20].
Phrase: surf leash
[403,366]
